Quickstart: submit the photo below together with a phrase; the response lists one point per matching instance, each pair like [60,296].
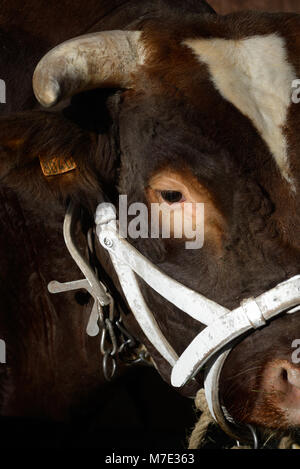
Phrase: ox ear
[45,155]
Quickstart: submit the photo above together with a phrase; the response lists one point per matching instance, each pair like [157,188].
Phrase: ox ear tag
[57,165]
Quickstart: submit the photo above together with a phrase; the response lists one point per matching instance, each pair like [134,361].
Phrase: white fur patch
[256,77]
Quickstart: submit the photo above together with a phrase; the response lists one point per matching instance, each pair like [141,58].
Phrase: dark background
[137,410]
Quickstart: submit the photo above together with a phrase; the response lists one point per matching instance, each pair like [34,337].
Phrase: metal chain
[108,341]
[115,342]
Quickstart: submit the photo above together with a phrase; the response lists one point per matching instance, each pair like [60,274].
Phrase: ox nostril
[288,374]
[281,374]
[284,374]
[281,389]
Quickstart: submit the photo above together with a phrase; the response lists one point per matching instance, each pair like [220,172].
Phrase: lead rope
[197,437]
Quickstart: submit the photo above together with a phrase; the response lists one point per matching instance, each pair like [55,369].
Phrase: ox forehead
[261,87]
[204,110]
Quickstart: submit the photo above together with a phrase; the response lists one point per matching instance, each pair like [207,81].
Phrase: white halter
[211,346]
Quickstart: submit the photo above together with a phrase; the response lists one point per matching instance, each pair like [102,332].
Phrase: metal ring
[108,376]
[125,344]
[124,331]
[254,436]
[110,329]
[102,341]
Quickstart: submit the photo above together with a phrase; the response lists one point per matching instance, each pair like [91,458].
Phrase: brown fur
[223,7]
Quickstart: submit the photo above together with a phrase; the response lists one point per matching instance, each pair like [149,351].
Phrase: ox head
[200,111]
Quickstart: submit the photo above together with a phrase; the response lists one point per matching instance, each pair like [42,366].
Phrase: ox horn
[98,60]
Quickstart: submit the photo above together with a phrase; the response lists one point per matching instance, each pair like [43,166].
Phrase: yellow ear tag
[57,165]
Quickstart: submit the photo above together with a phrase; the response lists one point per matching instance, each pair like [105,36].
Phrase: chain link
[117,342]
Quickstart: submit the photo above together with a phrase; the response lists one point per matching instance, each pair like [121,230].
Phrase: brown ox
[199,109]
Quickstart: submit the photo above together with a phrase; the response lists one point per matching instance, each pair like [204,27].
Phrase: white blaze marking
[256,77]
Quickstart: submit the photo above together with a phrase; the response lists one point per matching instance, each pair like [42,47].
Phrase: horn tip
[47,91]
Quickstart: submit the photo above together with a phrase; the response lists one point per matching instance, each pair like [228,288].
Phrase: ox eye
[172,197]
